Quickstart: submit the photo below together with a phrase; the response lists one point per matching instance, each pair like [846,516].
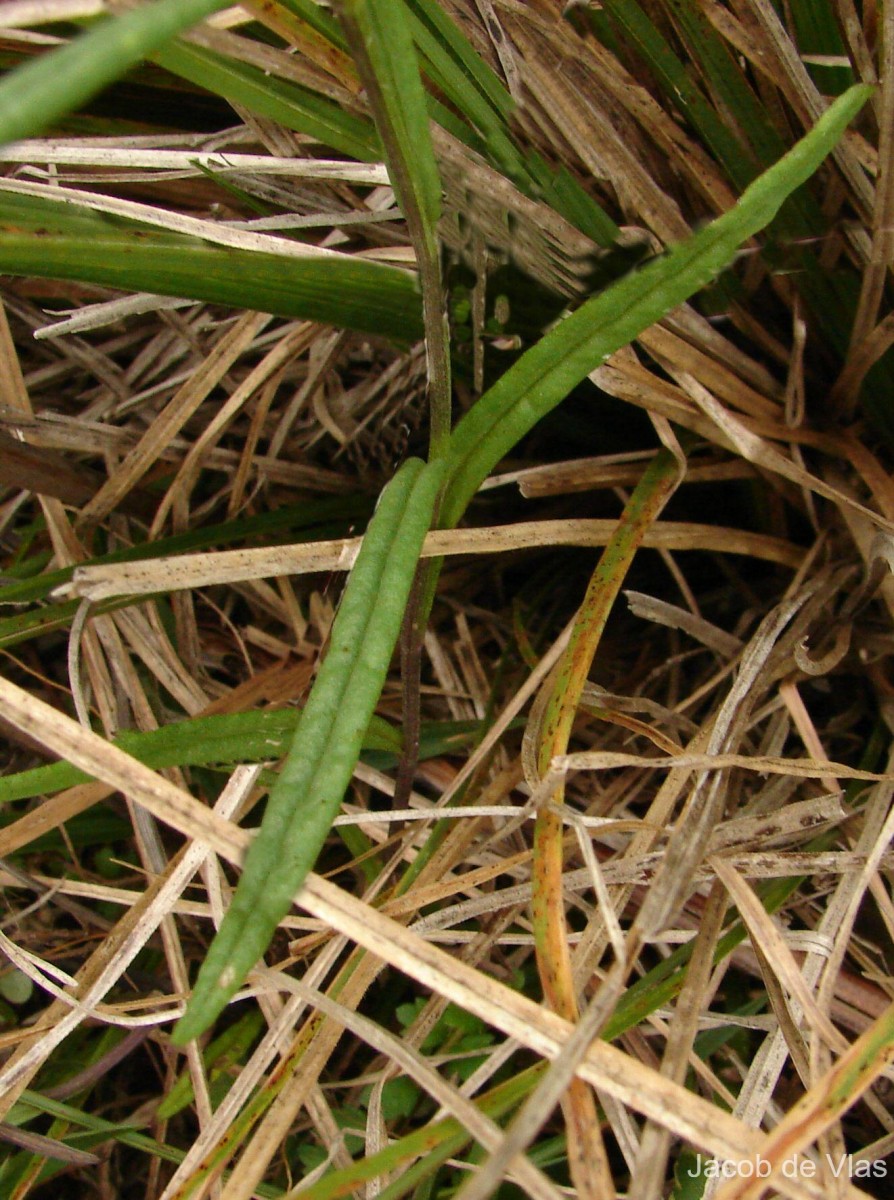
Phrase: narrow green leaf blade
[560,360]
[59,82]
[306,797]
[379,36]
[58,240]
[278,99]
[222,738]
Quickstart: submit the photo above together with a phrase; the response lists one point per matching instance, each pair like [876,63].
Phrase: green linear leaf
[318,18]
[224,1053]
[95,1131]
[455,69]
[306,797]
[293,106]
[709,53]
[226,738]
[60,81]
[431,1145]
[679,89]
[57,240]
[560,360]
[223,738]
[442,41]
[379,36]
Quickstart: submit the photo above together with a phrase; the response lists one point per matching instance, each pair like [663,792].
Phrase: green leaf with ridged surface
[308,793]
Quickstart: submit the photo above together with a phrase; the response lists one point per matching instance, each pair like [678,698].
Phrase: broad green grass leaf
[310,787]
[560,360]
[54,239]
[37,94]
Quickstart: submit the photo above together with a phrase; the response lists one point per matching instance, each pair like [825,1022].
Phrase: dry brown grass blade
[228,348]
[705,801]
[802,768]
[775,951]
[651,1161]
[822,1105]
[866,327]
[235,566]
[635,1085]
[103,969]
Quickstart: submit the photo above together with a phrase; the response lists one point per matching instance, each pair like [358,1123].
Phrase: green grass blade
[310,787]
[278,99]
[58,240]
[95,1132]
[680,91]
[468,83]
[220,739]
[225,1053]
[710,54]
[59,82]
[310,520]
[442,41]
[379,35]
[318,19]
[431,1145]
[48,618]
[561,359]
[818,33]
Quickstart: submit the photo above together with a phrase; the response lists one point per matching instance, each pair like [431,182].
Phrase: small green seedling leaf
[15,986]
[306,797]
